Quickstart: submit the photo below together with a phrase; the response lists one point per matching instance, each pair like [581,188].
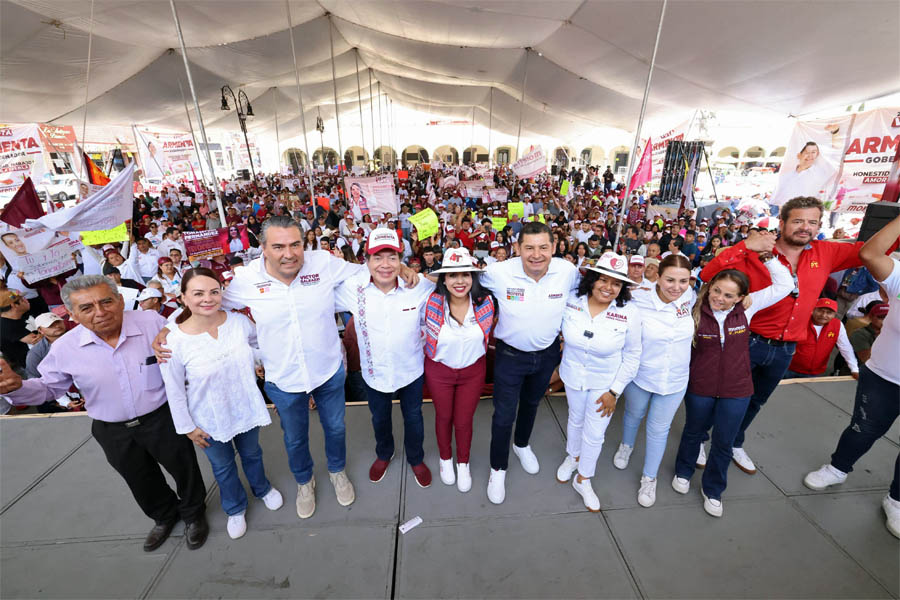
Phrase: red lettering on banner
[22,144]
[874,144]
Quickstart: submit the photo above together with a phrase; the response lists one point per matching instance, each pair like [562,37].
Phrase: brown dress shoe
[158,535]
[195,533]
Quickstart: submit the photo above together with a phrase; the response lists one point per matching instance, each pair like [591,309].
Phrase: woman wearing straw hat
[459,315]
[602,352]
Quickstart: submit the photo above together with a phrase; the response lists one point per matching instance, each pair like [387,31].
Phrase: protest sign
[500,194]
[105,236]
[166,156]
[540,217]
[21,156]
[18,243]
[107,208]
[498,223]
[371,196]
[202,244]
[449,181]
[564,188]
[474,189]
[426,223]
[516,208]
[49,262]
[532,164]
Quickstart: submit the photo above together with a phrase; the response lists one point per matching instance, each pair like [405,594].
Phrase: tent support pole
[187,68]
[490,125]
[712,179]
[337,116]
[372,117]
[310,172]
[522,102]
[187,114]
[472,154]
[277,134]
[632,163]
[87,82]
[362,133]
[380,131]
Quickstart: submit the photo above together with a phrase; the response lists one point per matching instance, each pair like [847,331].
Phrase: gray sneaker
[343,489]
[306,499]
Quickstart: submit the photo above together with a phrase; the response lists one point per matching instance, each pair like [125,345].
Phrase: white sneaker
[712,507]
[647,493]
[824,477]
[528,459]
[463,477]
[622,456]
[496,489]
[743,461]
[306,498]
[447,474]
[566,469]
[701,458]
[343,489]
[681,485]
[237,526]
[892,512]
[273,499]
[586,491]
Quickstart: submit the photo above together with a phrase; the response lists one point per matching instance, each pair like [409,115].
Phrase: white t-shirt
[884,360]
[459,346]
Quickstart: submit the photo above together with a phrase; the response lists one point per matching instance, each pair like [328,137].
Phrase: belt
[137,421]
[552,346]
[769,341]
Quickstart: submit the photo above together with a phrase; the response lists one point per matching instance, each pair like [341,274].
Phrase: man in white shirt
[387,319]
[172,240]
[531,291]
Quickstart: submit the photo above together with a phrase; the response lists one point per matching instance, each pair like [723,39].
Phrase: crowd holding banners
[497,270]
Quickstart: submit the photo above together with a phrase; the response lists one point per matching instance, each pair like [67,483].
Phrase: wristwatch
[614,395]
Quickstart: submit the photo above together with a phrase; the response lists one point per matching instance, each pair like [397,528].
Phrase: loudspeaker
[878,214]
[244,174]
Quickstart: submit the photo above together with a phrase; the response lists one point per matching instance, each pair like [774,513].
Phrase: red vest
[716,370]
[811,356]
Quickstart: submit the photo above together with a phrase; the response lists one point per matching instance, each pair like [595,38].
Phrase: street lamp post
[244,111]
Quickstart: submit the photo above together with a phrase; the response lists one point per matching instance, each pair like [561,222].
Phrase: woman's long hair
[733,275]
[477,293]
[188,275]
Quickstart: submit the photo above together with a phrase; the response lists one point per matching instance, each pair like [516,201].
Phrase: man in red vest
[824,332]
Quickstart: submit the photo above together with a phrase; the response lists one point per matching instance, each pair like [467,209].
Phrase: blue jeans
[724,415]
[293,410]
[768,365]
[662,409]
[875,410]
[224,467]
[413,425]
[520,382]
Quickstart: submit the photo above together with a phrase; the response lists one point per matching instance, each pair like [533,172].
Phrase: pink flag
[642,173]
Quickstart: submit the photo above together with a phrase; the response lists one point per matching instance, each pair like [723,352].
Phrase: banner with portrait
[167,157]
[372,196]
[21,156]
[531,165]
[500,194]
[661,144]
[38,253]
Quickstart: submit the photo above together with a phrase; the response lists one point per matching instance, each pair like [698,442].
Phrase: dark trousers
[137,452]
[413,424]
[520,381]
[768,365]
[724,415]
[877,406]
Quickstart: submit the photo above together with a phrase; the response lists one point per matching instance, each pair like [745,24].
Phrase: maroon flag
[24,205]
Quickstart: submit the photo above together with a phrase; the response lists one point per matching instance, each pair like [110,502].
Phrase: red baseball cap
[383,238]
[826,303]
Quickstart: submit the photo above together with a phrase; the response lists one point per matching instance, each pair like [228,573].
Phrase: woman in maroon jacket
[720,385]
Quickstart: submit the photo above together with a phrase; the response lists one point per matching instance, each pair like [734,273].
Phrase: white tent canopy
[586,67]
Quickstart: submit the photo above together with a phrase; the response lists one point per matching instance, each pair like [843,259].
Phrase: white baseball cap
[149,292]
[46,319]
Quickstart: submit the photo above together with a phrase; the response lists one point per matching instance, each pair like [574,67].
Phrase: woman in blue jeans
[656,391]
[720,383]
[211,386]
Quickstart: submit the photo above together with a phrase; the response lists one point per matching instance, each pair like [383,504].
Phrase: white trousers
[586,429]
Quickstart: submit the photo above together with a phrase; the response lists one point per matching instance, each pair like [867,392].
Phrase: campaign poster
[166,156]
[16,244]
[50,261]
[812,159]
[871,151]
[201,245]
[500,194]
[372,196]
[531,165]
[21,156]
[661,144]
[233,239]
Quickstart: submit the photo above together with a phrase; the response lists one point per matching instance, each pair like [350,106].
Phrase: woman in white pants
[601,355]
[659,386]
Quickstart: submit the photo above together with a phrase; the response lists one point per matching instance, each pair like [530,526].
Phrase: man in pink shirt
[109,357]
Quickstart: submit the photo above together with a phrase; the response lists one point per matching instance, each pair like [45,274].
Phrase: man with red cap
[386,319]
[825,331]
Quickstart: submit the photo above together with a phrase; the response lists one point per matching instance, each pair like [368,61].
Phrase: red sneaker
[423,475]
[378,469]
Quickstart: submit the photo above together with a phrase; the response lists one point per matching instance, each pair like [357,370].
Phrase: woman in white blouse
[657,390]
[602,334]
[168,276]
[211,386]
[459,315]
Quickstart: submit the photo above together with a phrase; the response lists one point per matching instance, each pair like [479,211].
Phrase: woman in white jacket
[602,350]
[211,386]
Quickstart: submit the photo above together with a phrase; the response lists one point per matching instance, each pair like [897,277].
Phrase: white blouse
[601,352]
[211,383]
[459,346]
[667,332]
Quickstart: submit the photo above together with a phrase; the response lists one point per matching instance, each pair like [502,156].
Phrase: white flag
[107,208]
